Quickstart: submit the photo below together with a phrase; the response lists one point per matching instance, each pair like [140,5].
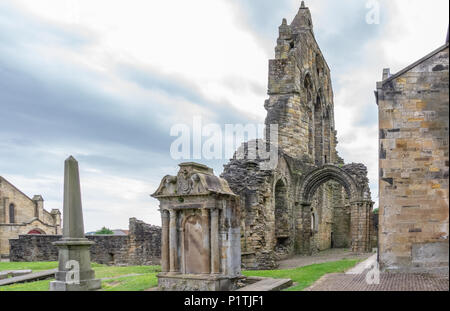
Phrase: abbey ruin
[312,200]
[304,199]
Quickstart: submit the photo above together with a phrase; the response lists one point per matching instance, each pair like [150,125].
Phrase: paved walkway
[31,277]
[355,280]
[267,284]
[333,254]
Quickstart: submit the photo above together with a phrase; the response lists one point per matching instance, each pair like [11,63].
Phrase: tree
[104,230]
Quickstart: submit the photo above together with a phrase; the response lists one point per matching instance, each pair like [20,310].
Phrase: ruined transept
[311,200]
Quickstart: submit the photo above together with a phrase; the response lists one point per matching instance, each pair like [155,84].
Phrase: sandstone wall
[141,247]
[414,166]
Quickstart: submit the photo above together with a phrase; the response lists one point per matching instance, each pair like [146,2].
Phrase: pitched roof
[15,188]
[406,69]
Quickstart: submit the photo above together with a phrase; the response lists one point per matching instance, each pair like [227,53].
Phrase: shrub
[104,230]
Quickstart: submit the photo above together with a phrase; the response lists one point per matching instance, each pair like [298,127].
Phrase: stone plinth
[200,239]
[196,282]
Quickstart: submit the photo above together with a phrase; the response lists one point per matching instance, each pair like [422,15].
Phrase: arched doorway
[282,233]
[36,231]
[359,205]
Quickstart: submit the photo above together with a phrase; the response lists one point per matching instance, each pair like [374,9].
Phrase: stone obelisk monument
[74,270]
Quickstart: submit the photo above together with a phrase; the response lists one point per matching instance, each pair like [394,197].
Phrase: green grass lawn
[131,278]
[35,266]
[139,278]
[307,275]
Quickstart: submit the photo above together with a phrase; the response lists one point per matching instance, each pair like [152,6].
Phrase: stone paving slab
[267,284]
[12,273]
[41,275]
[388,282]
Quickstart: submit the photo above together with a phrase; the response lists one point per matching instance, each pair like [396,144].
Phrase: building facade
[413,109]
[20,214]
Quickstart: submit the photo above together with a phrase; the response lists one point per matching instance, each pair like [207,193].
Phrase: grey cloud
[14,21]
[177,86]
[264,16]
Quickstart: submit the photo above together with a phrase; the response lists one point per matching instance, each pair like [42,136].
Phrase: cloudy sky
[105,81]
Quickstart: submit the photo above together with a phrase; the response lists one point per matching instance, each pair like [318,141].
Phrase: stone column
[368,228]
[206,242]
[360,227]
[165,241]
[354,219]
[173,245]
[215,254]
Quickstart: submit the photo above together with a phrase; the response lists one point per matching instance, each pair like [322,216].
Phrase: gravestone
[200,242]
[74,269]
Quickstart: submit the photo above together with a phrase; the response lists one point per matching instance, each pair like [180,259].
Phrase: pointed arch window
[12,216]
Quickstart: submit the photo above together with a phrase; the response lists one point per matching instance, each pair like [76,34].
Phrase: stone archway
[281,211]
[36,231]
[356,191]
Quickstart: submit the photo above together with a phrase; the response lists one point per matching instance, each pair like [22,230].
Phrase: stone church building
[20,214]
[413,107]
[311,200]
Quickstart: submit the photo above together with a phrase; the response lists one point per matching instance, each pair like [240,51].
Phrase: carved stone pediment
[192,179]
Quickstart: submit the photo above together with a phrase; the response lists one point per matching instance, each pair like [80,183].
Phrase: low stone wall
[141,247]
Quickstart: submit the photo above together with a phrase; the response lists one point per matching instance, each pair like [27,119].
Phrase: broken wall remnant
[200,247]
[142,246]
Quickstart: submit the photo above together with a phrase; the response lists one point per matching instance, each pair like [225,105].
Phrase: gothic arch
[12,213]
[309,87]
[318,129]
[360,206]
[319,176]
[281,208]
[36,231]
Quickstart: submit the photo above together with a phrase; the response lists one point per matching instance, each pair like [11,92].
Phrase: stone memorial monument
[74,269]
[200,240]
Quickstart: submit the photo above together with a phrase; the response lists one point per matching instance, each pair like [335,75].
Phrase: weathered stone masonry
[142,246]
[20,214]
[310,201]
[201,234]
[414,165]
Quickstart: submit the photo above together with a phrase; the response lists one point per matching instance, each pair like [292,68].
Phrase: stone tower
[308,200]
[301,95]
